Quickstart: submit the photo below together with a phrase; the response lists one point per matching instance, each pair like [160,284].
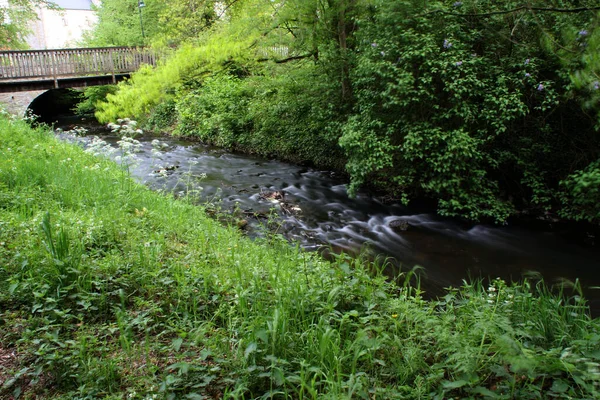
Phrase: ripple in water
[328,217]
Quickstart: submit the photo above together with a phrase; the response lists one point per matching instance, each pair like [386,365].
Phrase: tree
[471,103]
[476,103]
[186,19]
[119,23]
[15,16]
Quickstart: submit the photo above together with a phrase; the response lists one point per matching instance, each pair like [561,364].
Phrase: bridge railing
[44,64]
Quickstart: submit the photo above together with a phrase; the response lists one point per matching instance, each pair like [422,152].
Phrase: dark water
[316,212]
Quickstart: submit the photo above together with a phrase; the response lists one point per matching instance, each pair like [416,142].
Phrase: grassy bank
[108,290]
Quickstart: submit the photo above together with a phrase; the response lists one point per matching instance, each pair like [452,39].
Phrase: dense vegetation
[109,290]
[489,108]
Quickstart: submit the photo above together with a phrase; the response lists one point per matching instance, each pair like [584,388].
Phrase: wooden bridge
[64,68]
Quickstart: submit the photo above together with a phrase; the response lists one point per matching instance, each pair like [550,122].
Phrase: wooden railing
[54,64]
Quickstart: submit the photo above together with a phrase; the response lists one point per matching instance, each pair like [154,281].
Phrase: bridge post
[54,68]
[112,63]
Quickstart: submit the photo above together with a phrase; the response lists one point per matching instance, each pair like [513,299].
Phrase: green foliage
[185,20]
[216,113]
[110,291]
[149,86]
[581,194]
[225,97]
[580,56]
[91,96]
[466,111]
[163,117]
[282,117]
[294,112]
[16,15]
[119,23]
[164,23]
[485,107]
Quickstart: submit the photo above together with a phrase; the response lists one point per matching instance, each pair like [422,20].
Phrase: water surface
[317,212]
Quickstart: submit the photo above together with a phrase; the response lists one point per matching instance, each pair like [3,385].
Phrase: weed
[110,290]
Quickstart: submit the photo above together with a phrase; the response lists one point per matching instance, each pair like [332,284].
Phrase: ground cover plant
[109,290]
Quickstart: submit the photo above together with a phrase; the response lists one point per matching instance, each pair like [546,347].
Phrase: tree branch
[227,6]
[293,58]
[517,9]
[288,59]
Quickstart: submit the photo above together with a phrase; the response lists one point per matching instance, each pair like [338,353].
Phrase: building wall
[60,29]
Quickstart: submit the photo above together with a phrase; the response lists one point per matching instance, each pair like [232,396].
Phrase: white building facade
[59,29]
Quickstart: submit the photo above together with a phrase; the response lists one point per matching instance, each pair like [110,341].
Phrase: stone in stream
[277,197]
[274,196]
[399,225]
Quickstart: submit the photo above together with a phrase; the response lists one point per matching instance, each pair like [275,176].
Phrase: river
[312,208]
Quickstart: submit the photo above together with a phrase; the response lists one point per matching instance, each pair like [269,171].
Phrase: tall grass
[108,290]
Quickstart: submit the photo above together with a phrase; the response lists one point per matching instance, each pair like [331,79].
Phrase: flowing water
[312,208]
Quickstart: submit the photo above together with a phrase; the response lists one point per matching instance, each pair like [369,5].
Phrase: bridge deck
[32,69]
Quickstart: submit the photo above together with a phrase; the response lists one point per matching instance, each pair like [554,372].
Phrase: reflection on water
[448,251]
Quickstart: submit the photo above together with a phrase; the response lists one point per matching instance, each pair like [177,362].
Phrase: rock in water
[399,225]
[276,195]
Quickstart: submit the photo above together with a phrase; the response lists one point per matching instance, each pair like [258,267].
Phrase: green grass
[109,290]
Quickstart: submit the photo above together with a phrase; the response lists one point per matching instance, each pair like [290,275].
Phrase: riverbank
[108,289]
[314,211]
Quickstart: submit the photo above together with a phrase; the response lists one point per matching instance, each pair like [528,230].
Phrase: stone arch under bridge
[46,104]
[17,103]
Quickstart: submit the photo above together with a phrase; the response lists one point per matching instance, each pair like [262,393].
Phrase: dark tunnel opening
[55,104]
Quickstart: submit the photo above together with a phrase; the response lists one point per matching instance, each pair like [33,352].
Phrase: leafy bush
[291,117]
[581,194]
[92,96]
[480,105]
[149,86]
[216,113]
[449,107]
[163,116]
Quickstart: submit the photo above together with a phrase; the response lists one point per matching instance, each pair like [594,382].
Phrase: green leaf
[484,392]
[262,335]
[251,348]
[13,287]
[559,386]
[194,396]
[455,385]
[177,343]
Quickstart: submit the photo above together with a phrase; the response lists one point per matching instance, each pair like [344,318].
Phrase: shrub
[92,96]
[449,107]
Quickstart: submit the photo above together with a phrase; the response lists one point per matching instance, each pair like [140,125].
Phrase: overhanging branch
[288,59]
[517,9]
[293,58]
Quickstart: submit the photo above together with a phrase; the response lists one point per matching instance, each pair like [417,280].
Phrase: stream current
[313,208]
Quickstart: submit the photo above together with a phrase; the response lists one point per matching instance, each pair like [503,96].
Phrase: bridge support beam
[59,83]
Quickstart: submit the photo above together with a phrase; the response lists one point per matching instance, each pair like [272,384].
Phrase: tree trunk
[344,29]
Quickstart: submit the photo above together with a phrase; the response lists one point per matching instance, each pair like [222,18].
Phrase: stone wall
[17,103]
